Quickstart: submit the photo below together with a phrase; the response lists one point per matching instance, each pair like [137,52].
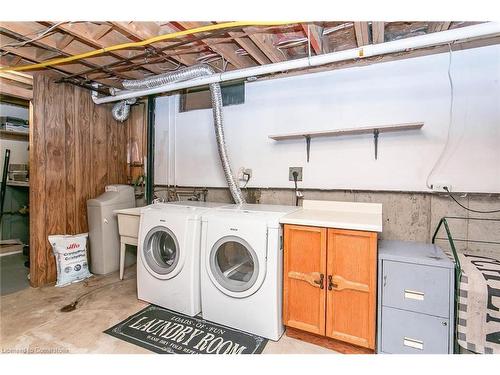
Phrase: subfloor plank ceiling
[25,43]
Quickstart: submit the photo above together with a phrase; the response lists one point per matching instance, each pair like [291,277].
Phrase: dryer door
[235,268]
[160,252]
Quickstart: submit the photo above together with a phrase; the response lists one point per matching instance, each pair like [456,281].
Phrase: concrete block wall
[406,215]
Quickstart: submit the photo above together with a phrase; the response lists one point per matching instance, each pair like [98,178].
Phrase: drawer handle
[412,294]
[413,343]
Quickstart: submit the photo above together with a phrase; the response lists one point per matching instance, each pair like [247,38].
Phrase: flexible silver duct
[185,74]
[121,110]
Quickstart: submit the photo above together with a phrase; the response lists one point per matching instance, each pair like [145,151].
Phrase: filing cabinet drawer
[405,332]
[418,288]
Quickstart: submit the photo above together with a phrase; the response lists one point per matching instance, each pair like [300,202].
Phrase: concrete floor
[13,273]
[32,323]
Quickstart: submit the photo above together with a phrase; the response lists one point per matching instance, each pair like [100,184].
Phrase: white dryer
[242,268]
[168,255]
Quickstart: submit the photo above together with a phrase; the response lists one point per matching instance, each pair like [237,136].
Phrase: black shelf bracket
[375,141]
[308,146]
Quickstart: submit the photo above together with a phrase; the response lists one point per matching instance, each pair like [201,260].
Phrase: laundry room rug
[167,332]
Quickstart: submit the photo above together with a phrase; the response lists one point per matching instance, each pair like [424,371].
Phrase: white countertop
[341,215]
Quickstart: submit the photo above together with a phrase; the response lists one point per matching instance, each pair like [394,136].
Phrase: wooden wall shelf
[18,183]
[375,130]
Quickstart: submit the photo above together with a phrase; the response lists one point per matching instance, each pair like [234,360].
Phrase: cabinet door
[304,292]
[351,284]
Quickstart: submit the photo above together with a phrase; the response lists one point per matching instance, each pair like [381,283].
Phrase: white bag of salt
[71,258]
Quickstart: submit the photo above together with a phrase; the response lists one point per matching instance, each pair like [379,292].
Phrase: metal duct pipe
[422,41]
[121,110]
[190,73]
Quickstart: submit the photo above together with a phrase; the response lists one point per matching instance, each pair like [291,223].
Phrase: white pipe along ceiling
[422,41]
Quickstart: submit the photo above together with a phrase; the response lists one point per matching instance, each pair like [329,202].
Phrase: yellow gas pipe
[142,43]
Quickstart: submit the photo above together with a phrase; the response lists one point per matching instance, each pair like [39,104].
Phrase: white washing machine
[168,255]
[242,268]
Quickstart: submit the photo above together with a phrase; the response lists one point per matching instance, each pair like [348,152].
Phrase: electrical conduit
[422,41]
[185,74]
[143,43]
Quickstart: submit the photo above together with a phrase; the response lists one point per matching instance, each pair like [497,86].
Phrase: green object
[150,151]
[4,181]
[458,271]
[15,224]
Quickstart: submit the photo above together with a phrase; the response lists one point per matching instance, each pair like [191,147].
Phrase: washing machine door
[160,252]
[235,268]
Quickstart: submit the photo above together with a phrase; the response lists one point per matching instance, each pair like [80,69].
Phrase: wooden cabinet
[330,283]
[304,282]
[351,284]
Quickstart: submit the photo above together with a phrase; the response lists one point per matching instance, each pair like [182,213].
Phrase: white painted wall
[408,90]
[18,149]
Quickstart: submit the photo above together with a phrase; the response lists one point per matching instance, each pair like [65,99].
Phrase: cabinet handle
[320,282]
[413,294]
[311,278]
[413,343]
[331,284]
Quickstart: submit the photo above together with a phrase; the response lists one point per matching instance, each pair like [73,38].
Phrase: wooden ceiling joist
[100,31]
[64,41]
[28,55]
[438,26]
[362,36]
[248,45]
[15,60]
[265,42]
[315,34]
[50,42]
[42,54]
[103,38]
[239,47]
[226,50]
[378,32]
[144,30]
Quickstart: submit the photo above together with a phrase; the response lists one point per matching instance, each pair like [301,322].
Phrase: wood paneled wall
[76,149]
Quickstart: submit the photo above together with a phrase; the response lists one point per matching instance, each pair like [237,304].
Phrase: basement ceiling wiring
[330,30]
[143,43]
[39,36]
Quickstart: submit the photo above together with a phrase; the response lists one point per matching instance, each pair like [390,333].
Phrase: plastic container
[103,227]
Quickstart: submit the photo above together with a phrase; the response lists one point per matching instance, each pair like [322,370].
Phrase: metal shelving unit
[16,136]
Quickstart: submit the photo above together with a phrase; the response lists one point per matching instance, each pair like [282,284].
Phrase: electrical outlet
[441,186]
[295,169]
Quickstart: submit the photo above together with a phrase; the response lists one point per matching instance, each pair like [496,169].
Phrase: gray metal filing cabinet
[415,299]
